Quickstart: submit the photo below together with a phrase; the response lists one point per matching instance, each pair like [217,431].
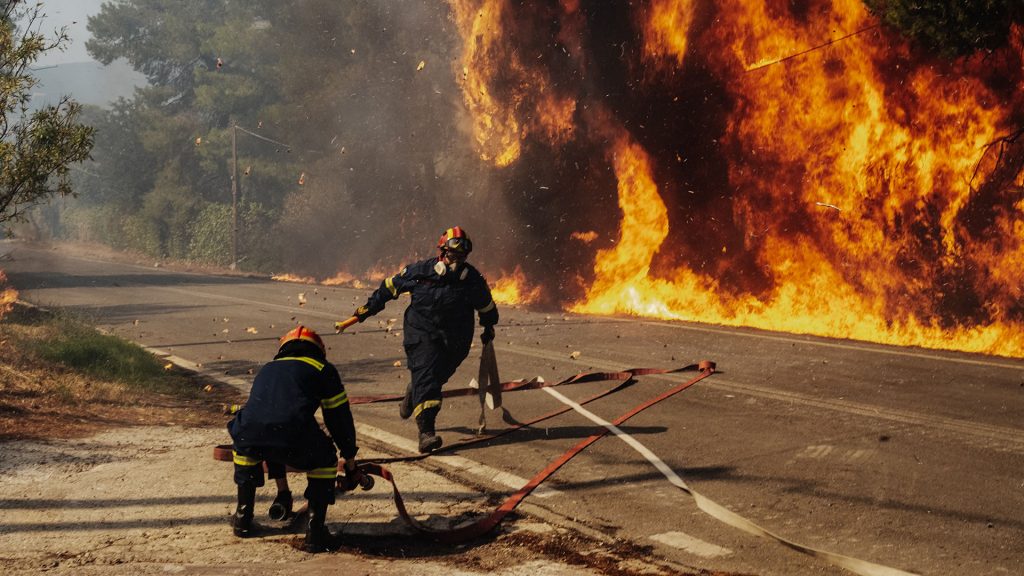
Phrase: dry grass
[41,396]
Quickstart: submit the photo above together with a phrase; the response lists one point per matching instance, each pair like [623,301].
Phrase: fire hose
[375,467]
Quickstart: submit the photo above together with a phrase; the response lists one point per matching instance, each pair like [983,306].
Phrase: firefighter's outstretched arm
[389,289]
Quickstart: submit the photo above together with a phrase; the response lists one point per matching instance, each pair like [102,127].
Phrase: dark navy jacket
[284,398]
[442,304]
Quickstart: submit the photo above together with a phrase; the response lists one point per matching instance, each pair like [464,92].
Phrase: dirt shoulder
[43,400]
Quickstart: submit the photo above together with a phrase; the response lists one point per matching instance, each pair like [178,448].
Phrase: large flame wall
[725,162]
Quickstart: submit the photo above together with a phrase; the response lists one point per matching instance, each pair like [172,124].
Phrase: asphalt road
[904,457]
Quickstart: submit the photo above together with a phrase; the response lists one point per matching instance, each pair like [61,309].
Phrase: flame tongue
[514,289]
[622,271]
[858,187]
[8,295]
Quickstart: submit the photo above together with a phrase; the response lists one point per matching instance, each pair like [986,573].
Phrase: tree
[36,148]
[340,82]
[952,28]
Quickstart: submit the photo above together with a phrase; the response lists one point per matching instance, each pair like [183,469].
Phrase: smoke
[401,167]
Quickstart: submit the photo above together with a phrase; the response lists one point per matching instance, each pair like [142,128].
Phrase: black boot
[429,440]
[241,520]
[318,537]
[282,505]
[405,408]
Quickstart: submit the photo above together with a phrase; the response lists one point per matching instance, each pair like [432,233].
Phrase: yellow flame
[585,237]
[667,28]
[844,156]
[494,126]
[8,295]
[294,278]
[342,278]
[514,289]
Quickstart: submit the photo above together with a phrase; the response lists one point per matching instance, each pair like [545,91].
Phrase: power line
[818,47]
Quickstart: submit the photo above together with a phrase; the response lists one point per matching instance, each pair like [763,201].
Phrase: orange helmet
[455,240]
[302,333]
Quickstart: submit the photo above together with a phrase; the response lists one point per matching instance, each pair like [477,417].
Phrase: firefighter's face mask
[454,260]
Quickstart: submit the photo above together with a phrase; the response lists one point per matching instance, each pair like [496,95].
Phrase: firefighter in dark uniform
[438,324]
[277,425]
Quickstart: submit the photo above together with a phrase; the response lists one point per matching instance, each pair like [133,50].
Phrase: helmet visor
[458,246]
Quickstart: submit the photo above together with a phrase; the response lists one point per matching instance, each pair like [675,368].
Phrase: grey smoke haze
[392,162]
[72,14]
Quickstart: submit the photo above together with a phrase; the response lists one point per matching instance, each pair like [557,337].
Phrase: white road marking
[695,546]
[722,513]
[1011,438]
[478,469]
[237,383]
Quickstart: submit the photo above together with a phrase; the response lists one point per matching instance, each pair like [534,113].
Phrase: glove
[353,478]
[362,313]
[350,480]
[487,335]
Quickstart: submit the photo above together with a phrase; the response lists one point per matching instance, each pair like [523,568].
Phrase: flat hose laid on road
[483,525]
[375,467]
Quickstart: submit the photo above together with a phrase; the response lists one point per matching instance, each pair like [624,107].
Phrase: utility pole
[234,184]
[234,196]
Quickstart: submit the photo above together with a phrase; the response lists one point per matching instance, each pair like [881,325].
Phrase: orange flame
[494,126]
[863,147]
[294,278]
[666,27]
[8,295]
[852,173]
[585,237]
[514,289]
[342,278]
[527,105]
[378,273]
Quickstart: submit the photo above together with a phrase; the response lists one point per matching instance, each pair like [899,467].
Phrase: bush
[210,235]
[952,28]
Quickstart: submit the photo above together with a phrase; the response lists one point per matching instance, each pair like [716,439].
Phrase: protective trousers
[431,363]
[315,454]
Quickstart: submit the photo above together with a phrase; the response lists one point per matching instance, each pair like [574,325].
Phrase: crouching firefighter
[277,426]
[438,324]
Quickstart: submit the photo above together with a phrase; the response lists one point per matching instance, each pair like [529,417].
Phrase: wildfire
[494,125]
[342,278]
[508,94]
[514,289]
[858,189]
[667,25]
[378,273]
[8,295]
[585,237]
[294,278]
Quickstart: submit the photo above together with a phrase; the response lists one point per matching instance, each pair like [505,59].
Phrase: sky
[73,14]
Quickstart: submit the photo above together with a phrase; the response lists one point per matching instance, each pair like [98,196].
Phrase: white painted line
[722,513]
[477,469]
[695,546]
[457,462]
[238,383]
